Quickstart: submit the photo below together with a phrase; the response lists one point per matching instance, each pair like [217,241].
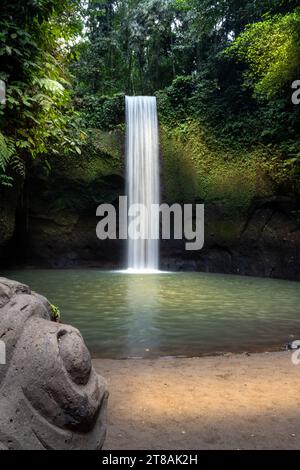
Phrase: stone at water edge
[50,395]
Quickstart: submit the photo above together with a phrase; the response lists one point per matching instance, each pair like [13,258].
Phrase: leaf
[52,85]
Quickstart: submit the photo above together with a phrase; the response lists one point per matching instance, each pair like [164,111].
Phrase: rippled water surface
[124,315]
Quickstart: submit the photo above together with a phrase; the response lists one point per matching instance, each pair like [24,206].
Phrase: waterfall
[142,157]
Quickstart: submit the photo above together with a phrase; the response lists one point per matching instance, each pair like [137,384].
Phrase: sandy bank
[231,402]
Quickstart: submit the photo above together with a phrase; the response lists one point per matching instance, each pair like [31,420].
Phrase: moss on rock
[197,167]
[77,184]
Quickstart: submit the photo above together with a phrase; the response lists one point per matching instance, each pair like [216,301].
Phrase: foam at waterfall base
[142,271]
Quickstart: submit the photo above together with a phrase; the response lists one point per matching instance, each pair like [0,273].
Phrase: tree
[271,50]
[35,47]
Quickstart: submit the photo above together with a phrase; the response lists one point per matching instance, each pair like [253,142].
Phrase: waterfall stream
[142,158]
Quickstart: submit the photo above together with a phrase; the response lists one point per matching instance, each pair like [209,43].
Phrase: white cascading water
[142,156]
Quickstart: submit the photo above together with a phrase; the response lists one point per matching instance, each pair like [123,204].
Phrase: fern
[17,165]
[5,180]
[7,150]
[7,153]
[51,86]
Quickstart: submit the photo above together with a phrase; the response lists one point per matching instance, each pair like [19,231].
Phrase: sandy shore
[225,402]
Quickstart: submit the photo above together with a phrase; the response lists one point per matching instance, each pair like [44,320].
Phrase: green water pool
[182,314]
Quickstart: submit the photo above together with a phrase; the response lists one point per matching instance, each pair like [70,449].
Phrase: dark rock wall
[54,223]
[266,242]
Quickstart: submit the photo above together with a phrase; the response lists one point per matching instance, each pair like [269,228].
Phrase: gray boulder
[50,395]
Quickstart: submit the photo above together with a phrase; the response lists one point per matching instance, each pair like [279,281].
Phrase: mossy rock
[197,168]
[78,183]
[102,155]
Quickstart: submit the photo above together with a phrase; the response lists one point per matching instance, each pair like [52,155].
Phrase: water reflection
[123,315]
[143,305]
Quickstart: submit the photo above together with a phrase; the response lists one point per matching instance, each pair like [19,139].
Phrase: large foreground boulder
[50,395]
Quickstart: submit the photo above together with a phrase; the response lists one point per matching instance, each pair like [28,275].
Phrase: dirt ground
[224,402]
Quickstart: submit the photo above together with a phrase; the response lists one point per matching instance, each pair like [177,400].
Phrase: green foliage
[129,47]
[35,45]
[196,167]
[140,47]
[55,313]
[174,101]
[221,71]
[271,49]
[7,150]
[102,112]
[75,186]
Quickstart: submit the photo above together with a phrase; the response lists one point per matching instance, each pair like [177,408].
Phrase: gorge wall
[249,229]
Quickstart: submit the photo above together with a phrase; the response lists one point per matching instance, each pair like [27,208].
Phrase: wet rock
[292,345]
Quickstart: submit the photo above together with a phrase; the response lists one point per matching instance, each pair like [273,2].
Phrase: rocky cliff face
[56,226]
[264,242]
[8,206]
